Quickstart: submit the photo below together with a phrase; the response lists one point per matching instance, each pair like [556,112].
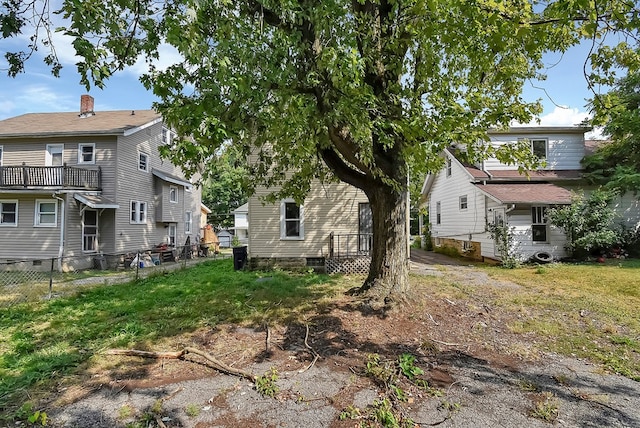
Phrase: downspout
[62,223]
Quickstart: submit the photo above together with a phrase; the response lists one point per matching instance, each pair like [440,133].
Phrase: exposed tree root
[313,351]
[214,362]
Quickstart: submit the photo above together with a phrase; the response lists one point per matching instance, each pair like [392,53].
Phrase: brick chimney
[86,105]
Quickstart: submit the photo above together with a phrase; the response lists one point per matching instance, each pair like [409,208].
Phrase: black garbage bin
[239,257]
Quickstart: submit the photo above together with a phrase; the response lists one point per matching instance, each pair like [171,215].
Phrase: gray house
[75,185]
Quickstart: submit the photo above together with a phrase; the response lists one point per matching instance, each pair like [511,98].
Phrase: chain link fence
[41,279]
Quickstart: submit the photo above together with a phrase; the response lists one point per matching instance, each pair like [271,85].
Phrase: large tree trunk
[388,274]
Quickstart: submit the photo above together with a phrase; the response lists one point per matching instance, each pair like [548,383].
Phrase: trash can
[239,257]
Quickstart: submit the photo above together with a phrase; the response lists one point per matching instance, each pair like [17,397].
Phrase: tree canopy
[361,90]
[616,164]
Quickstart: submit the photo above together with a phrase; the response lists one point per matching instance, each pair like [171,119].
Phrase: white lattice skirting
[352,265]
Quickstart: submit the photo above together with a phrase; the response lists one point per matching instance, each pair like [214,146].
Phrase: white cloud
[36,98]
[567,116]
[167,56]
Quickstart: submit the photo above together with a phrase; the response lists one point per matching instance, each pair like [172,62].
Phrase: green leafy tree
[224,186]
[362,91]
[588,223]
[616,164]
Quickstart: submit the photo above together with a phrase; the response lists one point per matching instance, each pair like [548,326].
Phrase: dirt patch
[486,375]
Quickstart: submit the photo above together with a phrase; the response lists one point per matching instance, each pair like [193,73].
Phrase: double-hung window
[291,220]
[86,153]
[464,204]
[539,224]
[173,194]
[46,214]
[448,167]
[8,213]
[143,161]
[138,212]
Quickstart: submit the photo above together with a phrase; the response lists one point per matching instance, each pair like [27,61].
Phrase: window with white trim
[463,202]
[173,194]
[448,166]
[143,161]
[188,221]
[90,231]
[539,148]
[1,151]
[46,213]
[166,135]
[173,230]
[539,224]
[86,153]
[291,220]
[438,213]
[8,213]
[138,212]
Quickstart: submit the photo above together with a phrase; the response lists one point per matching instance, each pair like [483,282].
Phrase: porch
[58,177]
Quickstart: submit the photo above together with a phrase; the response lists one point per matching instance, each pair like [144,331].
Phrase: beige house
[331,228]
[79,184]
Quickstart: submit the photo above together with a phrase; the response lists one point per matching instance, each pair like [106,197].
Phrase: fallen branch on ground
[313,351]
[180,355]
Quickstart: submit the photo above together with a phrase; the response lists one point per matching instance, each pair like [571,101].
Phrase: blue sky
[563,94]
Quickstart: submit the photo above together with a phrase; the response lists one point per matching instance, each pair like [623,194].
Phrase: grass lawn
[43,343]
[588,311]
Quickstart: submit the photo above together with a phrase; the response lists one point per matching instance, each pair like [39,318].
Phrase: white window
[166,135]
[539,148]
[188,221]
[8,213]
[46,213]
[87,153]
[291,220]
[172,234]
[138,212]
[463,202]
[448,166]
[1,155]
[539,224]
[143,161]
[54,155]
[173,194]
[90,231]
[438,213]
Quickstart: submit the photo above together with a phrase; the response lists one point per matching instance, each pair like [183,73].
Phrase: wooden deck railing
[68,177]
[350,245]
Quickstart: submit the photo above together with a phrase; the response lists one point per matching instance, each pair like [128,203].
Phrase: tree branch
[342,170]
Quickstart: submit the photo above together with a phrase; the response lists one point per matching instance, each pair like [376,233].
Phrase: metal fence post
[51,279]
[137,259]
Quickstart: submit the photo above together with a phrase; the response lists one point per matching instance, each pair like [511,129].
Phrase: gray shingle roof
[60,124]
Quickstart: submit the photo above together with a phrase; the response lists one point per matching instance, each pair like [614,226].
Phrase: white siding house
[463,200]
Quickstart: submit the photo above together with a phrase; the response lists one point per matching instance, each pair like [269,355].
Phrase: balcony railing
[67,177]
[350,245]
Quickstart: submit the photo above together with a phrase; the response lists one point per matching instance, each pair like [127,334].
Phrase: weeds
[396,378]
[546,407]
[192,410]
[266,384]
[28,413]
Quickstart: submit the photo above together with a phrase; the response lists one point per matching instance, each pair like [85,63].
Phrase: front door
[499,219]
[90,231]
[365,228]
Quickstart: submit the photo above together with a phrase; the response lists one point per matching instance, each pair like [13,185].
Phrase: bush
[587,223]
